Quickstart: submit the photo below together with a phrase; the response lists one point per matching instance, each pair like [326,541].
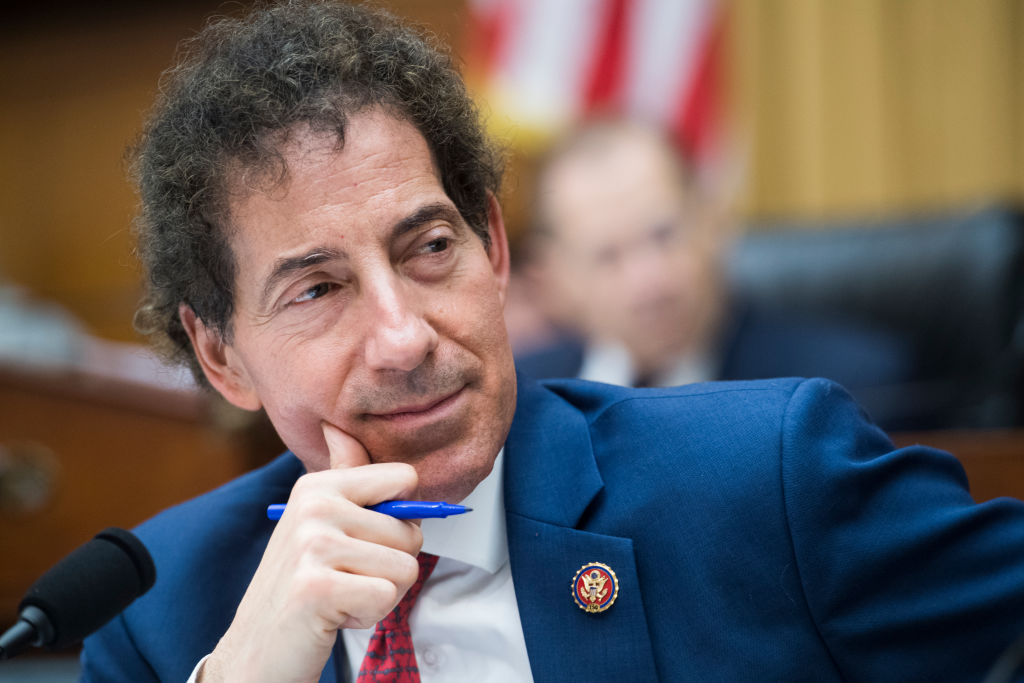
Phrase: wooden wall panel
[868,106]
[108,453]
[72,96]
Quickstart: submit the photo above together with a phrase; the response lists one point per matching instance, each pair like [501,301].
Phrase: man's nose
[647,270]
[399,337]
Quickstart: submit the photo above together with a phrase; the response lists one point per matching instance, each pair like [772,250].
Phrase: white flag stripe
[664,45]
[539,79]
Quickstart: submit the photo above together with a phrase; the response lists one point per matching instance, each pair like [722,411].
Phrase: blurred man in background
[631,256]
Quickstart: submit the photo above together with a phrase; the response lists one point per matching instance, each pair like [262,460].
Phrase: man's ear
[221,365]
[497,253]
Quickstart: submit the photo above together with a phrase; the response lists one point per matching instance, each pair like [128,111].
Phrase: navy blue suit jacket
[759,531]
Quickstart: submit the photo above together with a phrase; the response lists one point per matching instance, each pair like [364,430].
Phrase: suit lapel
[550,479]
[336,669]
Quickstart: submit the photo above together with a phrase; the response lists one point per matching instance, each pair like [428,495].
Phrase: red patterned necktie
[390,656]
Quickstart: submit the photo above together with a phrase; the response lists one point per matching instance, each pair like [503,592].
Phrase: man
[631,254]
[323,242]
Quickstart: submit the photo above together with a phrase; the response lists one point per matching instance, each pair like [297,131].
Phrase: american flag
[542,65]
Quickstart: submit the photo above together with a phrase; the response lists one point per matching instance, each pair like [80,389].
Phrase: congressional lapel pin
[595,587]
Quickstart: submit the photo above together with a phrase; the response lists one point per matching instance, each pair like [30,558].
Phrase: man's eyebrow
[284,266]
[425,214]
[316,256]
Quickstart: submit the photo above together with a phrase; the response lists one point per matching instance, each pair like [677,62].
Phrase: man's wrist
[213,667]
[197,673]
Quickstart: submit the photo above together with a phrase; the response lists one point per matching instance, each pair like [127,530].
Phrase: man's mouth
[420,409]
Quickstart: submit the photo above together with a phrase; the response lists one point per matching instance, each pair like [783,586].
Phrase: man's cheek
[298,425]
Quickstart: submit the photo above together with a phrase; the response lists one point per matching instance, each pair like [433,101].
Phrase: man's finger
[344,450]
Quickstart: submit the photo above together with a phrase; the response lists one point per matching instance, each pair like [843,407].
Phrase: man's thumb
[344,450]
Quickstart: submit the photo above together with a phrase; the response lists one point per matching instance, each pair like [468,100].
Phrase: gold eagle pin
[595,587]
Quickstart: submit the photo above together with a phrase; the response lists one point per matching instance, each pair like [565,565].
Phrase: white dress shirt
[465,623]
[612,363]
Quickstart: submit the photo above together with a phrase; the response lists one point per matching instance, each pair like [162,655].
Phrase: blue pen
[399,509]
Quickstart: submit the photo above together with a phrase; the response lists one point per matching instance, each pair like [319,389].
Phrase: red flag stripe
[698,112]
[603,86]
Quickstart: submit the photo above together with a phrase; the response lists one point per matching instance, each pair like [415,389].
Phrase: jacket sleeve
[905,576]
[110,656]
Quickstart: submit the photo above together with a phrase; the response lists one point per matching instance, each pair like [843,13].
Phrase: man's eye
[438,245]
[314,292]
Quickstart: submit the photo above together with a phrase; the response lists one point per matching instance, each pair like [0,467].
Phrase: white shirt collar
[607,362]
[611,363]
[478,537]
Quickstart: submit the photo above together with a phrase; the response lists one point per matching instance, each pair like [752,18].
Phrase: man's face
[631,255]
[363,300]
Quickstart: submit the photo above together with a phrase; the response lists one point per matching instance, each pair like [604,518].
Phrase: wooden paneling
[106,453]
[864,106]
[993,460]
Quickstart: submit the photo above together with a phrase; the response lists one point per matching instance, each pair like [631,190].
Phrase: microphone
[81,593]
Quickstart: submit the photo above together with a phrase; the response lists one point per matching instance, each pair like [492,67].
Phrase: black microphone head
[92,585]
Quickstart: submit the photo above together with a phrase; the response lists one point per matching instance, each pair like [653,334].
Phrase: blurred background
[868,156]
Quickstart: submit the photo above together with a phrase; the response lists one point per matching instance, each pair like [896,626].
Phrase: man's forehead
[331,198]
[304,149]
[598,186]
[622,211]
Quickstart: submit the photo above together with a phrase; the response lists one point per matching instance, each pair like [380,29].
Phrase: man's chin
[448,473]
[410,446]
[451,485]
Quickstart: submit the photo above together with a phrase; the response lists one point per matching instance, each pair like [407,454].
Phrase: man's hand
[330,564]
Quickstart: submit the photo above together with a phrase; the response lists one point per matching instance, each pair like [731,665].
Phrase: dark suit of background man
[323,241]
[630,253]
